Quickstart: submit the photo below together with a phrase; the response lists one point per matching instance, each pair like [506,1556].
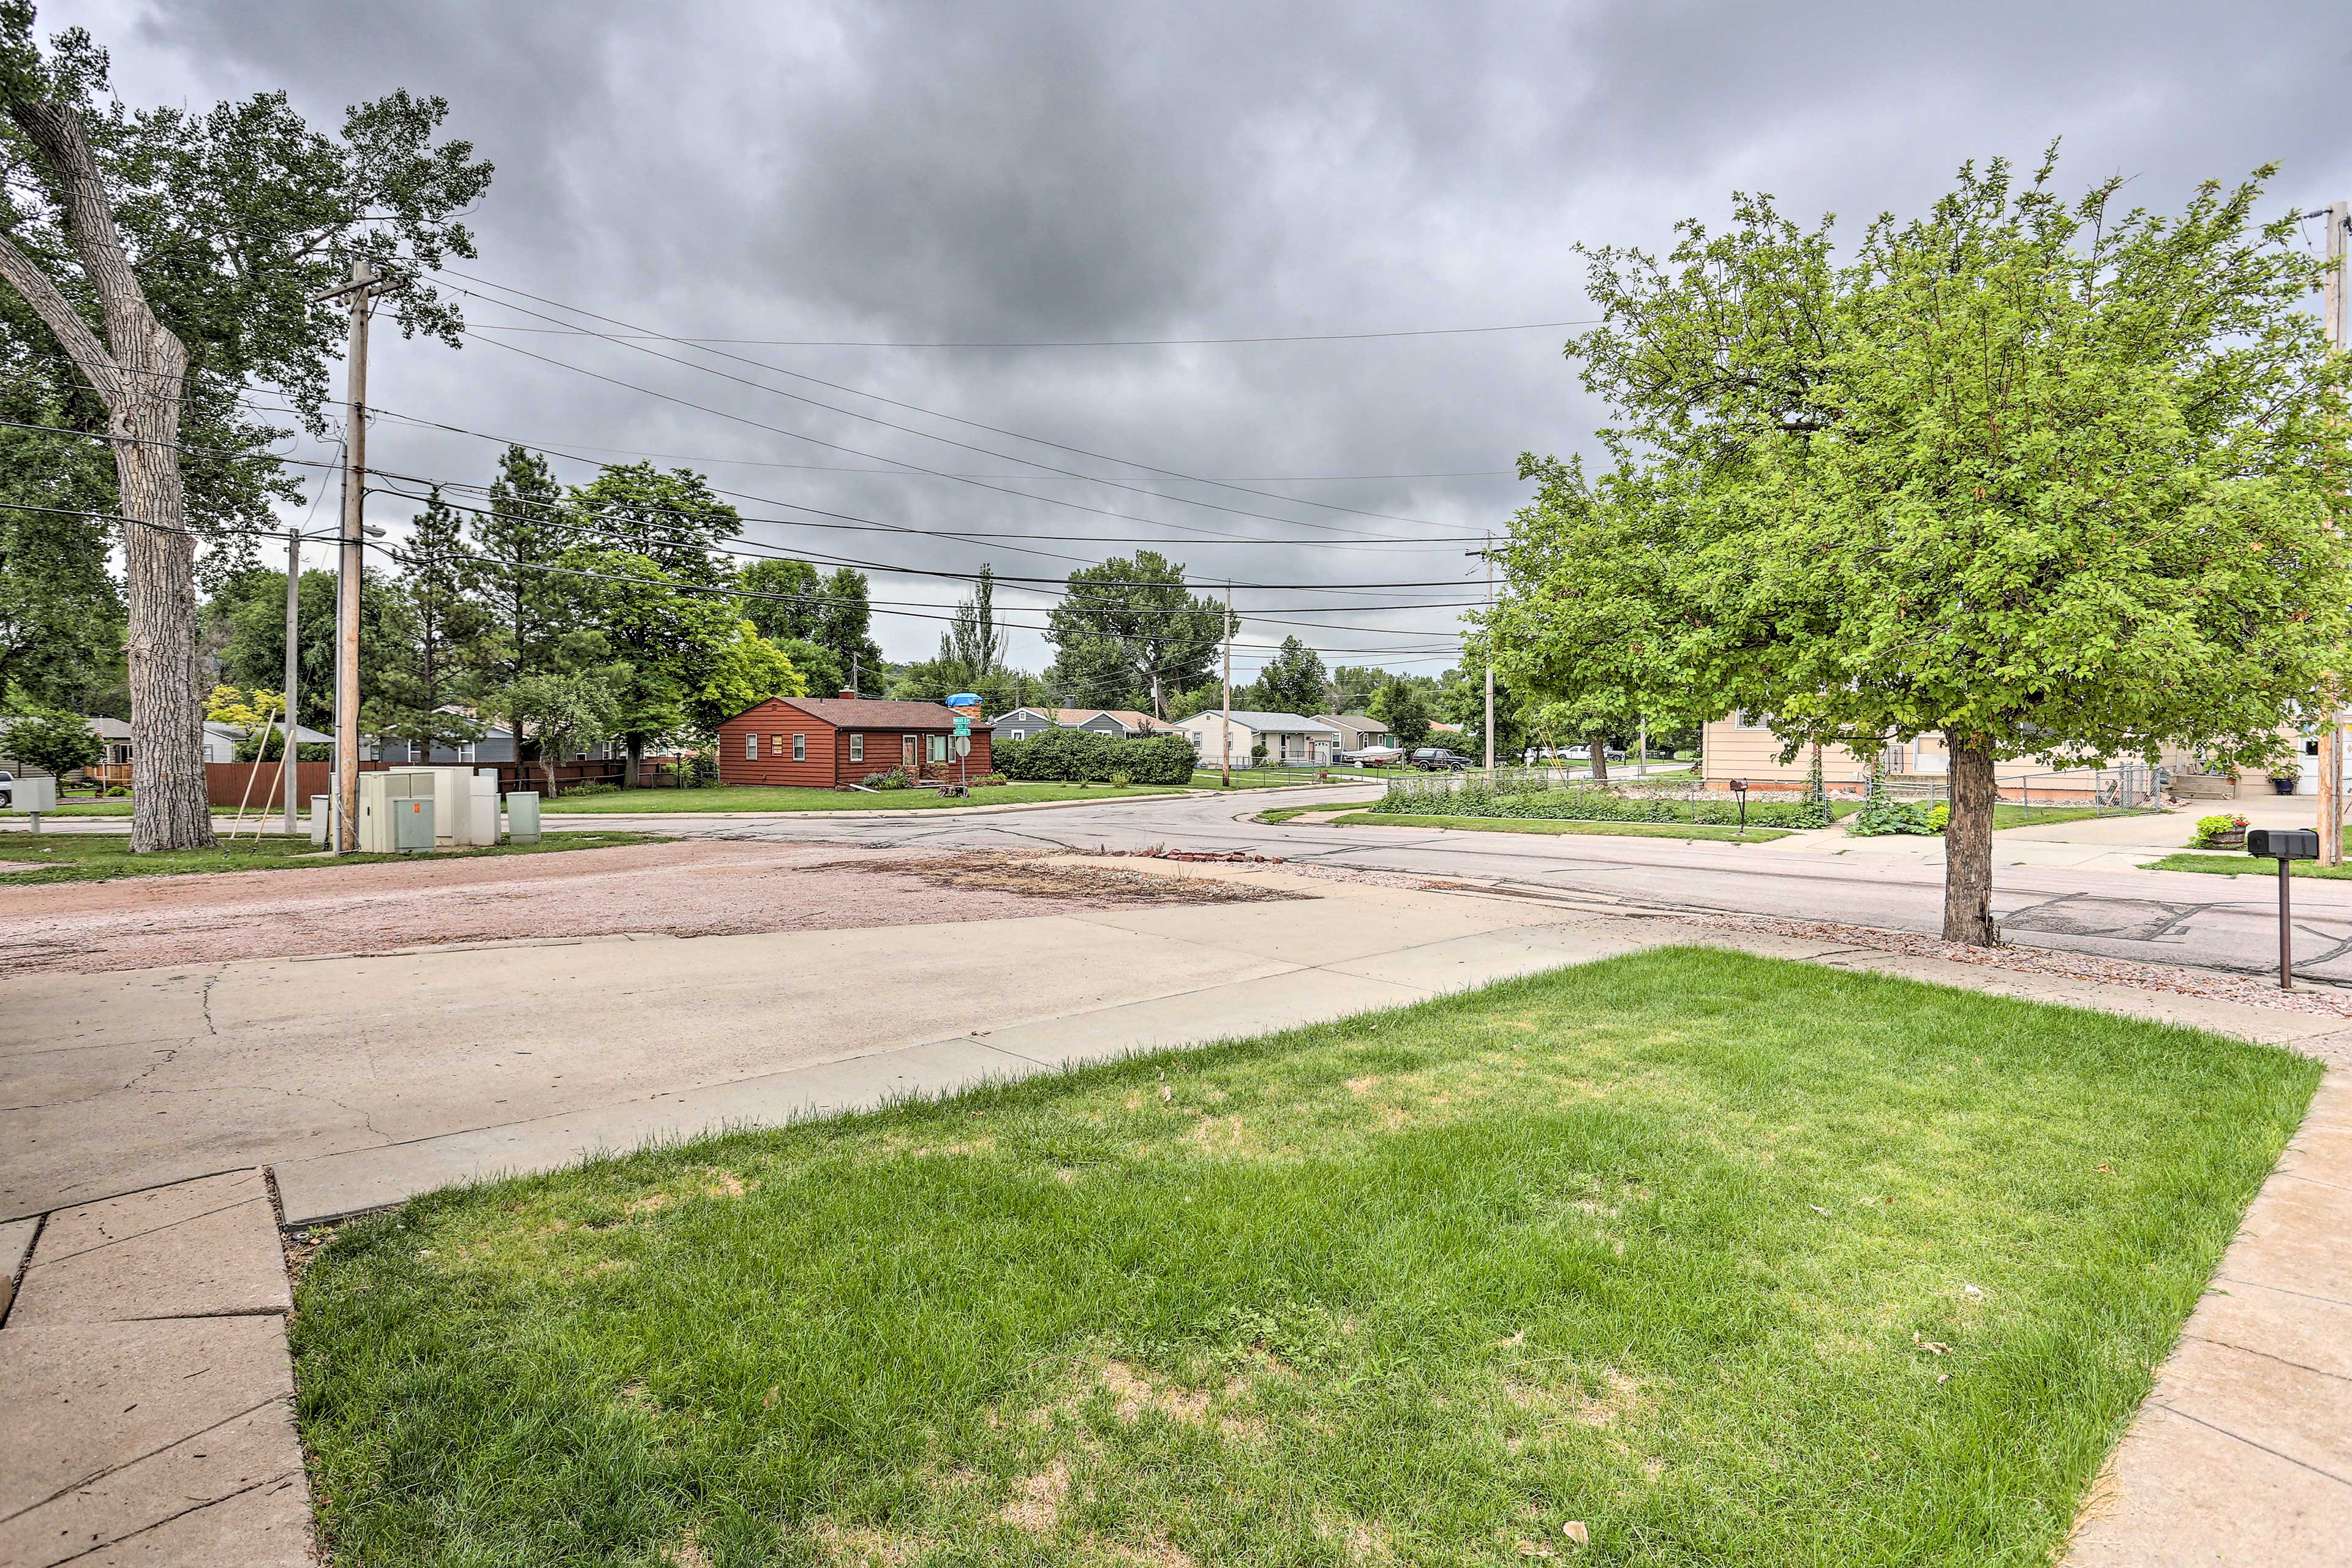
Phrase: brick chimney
[850,691]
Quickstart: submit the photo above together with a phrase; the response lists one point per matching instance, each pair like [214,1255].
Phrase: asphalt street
[2228,923]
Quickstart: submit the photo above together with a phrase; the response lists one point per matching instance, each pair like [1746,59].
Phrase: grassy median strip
[1284,813]
[98,857]
[2240,864]
[1558,824]
[1709,1258]
[759,797]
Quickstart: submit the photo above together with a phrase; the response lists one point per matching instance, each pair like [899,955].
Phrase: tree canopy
[2053,479]
[1128,632]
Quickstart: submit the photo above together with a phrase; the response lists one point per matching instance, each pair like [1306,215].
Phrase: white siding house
[1288,738]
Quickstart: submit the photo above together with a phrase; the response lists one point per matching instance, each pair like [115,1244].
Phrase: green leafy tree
[172,258]
[247,618]
[53,742]
[821,670]
[1292,681]
[666,636]
[783,600]
[448,629]
[1128,632]
[847,628]
[572,710]
[674,519]
[1399,704]
[744,673]
[2049,479]
[1352,685]
[516,538]
[973,639]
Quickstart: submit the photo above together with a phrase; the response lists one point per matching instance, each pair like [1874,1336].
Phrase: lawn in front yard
[1717,1260]
[1560,825]
[99,856]
[758,797]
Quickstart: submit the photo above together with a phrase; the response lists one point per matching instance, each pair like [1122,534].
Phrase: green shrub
[897,778]
[2211,829]
[1474,797]
[1079,756]
[1880,817]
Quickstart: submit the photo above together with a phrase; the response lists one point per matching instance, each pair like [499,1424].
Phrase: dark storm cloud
[1026,172]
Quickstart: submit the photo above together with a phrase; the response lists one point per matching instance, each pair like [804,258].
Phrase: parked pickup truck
[1437,759]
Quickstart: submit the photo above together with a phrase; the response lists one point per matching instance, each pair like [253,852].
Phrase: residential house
[221,740]
[1118,724]
[1288,738]
[1743,746]
[1357,730]
[496,745]
[822,741]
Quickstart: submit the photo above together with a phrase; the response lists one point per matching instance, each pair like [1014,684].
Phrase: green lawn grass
[1284,813]
[1560,825]
[1209,778]
[2005,815]
[91,808]
[1729,1260]
[99,856]
[757,797]
[2237,863]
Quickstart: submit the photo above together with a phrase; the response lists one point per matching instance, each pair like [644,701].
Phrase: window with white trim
[937,748]
[857,748]
[799,747]
[751,747]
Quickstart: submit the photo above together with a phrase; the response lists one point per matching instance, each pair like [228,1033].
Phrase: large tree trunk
[140,372]
[1600,749]
[1968,846]
[637,757]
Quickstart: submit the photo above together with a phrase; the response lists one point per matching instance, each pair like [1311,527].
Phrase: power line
[915,408]
[925,435]
[1115,343]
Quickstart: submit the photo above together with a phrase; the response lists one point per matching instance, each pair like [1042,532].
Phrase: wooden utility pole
[1227,727]
[293,666]
[1489,554]
[350,561]
[2331,745]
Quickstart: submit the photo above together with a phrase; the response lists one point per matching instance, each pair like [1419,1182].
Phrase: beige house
[1743,746]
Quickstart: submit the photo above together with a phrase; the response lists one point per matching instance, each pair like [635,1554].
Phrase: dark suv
[1437,759]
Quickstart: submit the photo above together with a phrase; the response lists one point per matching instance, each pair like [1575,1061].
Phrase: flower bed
[1474,797]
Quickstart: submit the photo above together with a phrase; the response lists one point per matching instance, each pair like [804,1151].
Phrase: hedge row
[1081,756]
[1472,799]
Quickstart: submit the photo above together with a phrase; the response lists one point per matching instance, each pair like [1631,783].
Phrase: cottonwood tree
[1128,632]
[1400,705]
[1292,681]
[2053,479]
[171,258]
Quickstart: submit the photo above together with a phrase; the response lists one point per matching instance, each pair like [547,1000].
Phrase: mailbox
[2282,843]
[1739,786]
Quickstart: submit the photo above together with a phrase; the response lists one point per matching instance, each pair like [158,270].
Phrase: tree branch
[58,314]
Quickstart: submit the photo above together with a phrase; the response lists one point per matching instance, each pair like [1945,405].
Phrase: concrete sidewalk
[150,1397]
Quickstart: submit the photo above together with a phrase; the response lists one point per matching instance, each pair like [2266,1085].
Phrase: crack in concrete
[294,1474]
[99,1475]
[2248,1442]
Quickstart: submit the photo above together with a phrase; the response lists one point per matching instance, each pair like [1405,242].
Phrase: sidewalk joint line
[2248,1442]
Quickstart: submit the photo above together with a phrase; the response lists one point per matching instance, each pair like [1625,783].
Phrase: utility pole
[2331,746]
[351,560]
[1227,727]
[288,724]
[1488,555]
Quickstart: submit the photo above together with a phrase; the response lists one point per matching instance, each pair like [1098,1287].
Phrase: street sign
[963,745]
[962,726]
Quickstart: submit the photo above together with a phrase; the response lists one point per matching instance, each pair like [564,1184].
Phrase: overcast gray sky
[1013,173]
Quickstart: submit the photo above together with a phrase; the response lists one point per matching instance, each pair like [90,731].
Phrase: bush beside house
[1081,756]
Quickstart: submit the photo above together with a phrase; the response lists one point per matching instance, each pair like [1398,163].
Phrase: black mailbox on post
[2282,843]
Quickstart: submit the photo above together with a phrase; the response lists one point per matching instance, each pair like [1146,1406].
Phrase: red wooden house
[821,742]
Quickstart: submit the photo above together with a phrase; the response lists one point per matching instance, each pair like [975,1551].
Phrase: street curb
[582,819]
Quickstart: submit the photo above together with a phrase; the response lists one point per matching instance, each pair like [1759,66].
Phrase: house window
[1743,719]
[857,748]
[1020,734]
[775,745]
[906,751]
[751,748]
[799,747]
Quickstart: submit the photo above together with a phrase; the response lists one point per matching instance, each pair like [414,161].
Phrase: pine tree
[516,539]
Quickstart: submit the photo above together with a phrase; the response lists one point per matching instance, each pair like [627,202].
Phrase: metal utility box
[478,824]
[322,810]
[522,817]
[2282,843]
[377,835]
[33,796]
[411,823]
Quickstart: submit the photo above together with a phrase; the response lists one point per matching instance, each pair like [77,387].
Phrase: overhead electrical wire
[1122,342]
[912,407]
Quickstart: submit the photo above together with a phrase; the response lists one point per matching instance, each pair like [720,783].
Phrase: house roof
[875,713]
[303,734]
[1281,724]
[1074,717]
[1353,720]
[109,728]
[1129,717]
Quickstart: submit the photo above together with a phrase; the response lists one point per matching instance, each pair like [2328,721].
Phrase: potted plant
[2226,831]
[2286,776]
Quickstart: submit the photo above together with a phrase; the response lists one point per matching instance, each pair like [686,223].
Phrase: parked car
[7,790]
[1437,759]
[1373,756]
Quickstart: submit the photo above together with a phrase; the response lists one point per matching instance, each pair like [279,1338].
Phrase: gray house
[1356,731]
[1118,724]
[497,745]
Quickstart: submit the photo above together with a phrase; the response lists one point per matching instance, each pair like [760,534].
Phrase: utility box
[322,811]
[33,796]
[377,835]
[478,824]
[411,823]
[522,817]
